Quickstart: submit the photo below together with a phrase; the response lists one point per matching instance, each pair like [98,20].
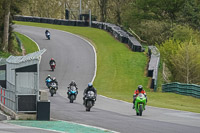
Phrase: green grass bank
[120,70]
[27,43]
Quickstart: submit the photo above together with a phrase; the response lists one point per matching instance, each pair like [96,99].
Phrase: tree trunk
[103,9]
[6,25]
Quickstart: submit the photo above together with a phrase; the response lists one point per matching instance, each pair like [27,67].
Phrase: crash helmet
[49,76]
[140,88]
[90,84]
[72,82]
[52,59]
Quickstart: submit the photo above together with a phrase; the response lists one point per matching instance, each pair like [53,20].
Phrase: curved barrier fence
[183,89]
[154,56]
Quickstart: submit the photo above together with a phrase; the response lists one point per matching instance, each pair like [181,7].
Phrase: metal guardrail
[18,41]
[183,89]
[18,102]
[154,61]
[8,98]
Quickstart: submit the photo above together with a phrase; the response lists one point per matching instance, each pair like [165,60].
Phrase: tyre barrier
[115,30]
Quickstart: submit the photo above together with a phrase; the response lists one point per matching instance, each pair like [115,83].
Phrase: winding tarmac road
[76,61]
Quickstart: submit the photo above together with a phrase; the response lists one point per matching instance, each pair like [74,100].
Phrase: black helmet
[140,88]
[72,82]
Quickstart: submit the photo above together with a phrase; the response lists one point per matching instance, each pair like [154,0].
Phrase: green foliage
[4,54]
[162,9]
[6,6]
[187,63]
[185,33]
[190,14]
[182,59]
[154,31]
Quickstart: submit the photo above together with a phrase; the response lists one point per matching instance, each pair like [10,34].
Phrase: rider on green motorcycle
[139,90]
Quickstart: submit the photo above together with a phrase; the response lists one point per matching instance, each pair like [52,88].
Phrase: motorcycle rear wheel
[87,109]
[88,105]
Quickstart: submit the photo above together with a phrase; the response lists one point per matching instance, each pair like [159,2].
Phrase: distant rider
[54,81]
[52,61]
[49,76]
[89,88]
[139,90]
[47,32]
[72,83]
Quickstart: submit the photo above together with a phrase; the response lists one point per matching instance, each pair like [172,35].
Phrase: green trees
[8,8]
[5,16]
[189,14]
[181,55]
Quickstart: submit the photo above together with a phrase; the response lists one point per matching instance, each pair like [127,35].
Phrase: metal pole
[90,18]
[80,7]
[65,10]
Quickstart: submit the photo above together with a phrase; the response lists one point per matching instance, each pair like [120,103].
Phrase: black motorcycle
[53,88]
[89,100]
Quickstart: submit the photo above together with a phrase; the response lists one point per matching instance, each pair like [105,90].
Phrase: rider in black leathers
[52,61]
[89,88]
[54,81]
[72,83]
[47,31]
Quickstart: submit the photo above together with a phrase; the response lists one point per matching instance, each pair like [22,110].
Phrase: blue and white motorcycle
[72,93]
[48,82]
[48,35]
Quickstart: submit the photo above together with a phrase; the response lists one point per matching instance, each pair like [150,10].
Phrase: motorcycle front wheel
[140,110]
[72,97]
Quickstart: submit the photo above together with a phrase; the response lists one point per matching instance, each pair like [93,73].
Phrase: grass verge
[120,70]
[27,43]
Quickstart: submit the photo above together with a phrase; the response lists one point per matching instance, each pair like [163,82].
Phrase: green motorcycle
[140,103]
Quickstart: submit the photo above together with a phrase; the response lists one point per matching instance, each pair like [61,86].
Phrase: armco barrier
[183,89]
[154,61]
